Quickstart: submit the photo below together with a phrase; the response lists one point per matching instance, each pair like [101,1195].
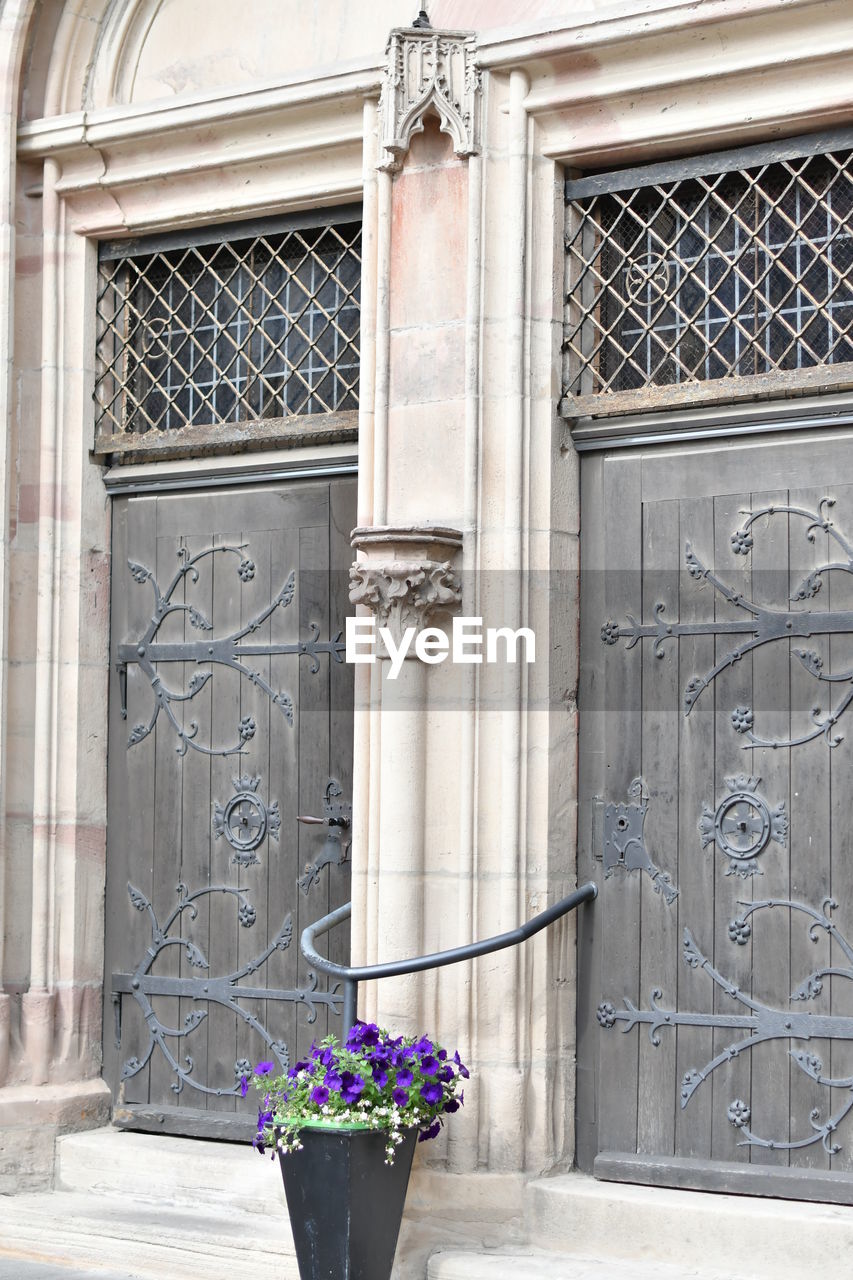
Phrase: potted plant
[344,1123]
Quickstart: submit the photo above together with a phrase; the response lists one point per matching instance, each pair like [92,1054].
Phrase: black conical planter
[345,1202]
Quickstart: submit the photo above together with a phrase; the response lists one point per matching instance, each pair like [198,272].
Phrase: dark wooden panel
[162,802]
[689,768]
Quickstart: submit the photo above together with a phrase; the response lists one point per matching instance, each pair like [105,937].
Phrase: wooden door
[230,714]
[716,968]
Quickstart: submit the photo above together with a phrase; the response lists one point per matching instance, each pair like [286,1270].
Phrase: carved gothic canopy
[430,71]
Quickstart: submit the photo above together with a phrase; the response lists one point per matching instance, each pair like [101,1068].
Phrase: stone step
[130,1238]
[186,1171]
[530,1265]
[752,1237]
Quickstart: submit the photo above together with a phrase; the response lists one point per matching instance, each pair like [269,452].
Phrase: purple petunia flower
[432,1132]
[264,1068]
[463,1070]
[446,1074]
[424,1045]
[404,1077]
[363,1033]
[320,1095]
[244,1086]
[429,1065]
[401,1097]
[451,1106]
[431,1092]
[264,1118]
[333,1080]
[351,1086]
[380,1075]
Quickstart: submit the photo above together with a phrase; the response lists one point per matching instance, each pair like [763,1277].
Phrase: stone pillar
[405,579]
[455,839]
[413,859]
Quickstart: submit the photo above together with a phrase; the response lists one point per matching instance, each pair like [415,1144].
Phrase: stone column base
[31,1119]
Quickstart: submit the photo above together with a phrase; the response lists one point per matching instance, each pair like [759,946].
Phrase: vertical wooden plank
[166,802]
[591,789]
[771,698]
[117,868]
[696,869]
[236,706]
[282,866]
[120,919]
[313,728]
[342,520]
[195,796]
[732,689]
[837,593]
[659,732]
[620,894]
[250,869]
[133,841]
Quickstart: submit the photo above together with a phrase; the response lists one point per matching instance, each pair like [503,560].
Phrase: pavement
[131,1206]
[21,1269]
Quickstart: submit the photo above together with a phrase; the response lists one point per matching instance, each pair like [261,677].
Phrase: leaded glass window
[227,327]
[724,270]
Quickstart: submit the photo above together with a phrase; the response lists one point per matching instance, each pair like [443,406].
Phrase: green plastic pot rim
[342,1126]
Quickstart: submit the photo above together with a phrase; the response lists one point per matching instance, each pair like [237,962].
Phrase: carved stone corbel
[408,579]
[429,70]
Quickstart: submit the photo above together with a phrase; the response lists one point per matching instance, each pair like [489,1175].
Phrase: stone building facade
[146,118]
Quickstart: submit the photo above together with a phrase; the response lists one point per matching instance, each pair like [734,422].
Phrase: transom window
[723,276]
[253,322]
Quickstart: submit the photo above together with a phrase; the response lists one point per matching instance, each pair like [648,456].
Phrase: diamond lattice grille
[261,327]
[725,276]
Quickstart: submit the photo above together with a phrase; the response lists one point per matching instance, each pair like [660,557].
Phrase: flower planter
[345,1202]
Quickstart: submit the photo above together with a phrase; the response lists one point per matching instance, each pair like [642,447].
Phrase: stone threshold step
[151,1166]
[529,1265]
[751,1237]
[146,1240]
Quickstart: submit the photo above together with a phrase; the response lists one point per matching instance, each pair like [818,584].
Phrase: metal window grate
[264,324]
[713,275]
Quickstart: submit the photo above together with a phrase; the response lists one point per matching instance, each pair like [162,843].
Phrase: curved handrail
[351,975]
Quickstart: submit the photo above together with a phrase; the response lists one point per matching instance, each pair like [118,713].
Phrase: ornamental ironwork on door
[716,1028]
[231,716]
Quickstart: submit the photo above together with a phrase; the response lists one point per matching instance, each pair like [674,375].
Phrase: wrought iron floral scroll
[224,991]
[760,1023]
[760,626]
[235,651]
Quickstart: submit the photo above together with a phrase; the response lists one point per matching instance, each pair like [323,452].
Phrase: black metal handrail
[351,975]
